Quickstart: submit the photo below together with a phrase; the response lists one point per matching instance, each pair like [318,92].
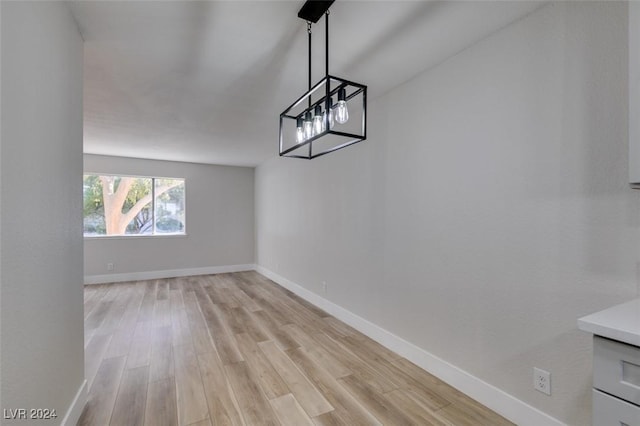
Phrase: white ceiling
[205,81]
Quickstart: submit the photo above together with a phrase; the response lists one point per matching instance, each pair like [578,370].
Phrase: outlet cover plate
[542,380]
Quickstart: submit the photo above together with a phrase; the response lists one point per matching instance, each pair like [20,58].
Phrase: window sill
[133,236]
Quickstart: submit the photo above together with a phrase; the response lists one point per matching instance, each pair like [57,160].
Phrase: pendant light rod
[309,37]
[308,113]
[326,43]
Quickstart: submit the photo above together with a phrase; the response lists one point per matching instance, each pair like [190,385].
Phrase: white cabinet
[616,364]
[616,383]
[616,369]
[612,411]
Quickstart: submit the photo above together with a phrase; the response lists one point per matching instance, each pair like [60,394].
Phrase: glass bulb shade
[308,129]
[299,130]
[317,124]
[342,113]
[317,120]
[331,120]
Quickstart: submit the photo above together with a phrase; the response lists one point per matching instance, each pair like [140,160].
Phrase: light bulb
[342,113]
[299,130]
[317,120]
[308,126]
[331,119]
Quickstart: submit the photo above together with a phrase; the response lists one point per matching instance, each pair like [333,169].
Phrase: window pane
[117,205]
[136,209]
[169,205]
[93,210]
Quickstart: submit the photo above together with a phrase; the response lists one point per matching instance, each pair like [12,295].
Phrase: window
[131,205]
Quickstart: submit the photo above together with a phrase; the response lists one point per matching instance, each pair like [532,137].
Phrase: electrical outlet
[324,287]
[109,266]
[542,381]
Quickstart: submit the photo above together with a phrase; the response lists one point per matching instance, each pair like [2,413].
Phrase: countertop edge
[609,332]
[620,322]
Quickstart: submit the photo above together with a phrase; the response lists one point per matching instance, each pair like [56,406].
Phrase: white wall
[487,211]
[220,222]
[41,196]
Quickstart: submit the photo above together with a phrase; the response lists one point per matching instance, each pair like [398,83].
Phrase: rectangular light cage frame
[331,139]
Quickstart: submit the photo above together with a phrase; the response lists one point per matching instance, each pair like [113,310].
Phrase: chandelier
[332,114]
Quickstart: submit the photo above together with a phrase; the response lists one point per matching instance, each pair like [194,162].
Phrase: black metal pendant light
[332,114]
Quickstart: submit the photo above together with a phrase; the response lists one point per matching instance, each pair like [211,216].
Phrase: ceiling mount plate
[312,10]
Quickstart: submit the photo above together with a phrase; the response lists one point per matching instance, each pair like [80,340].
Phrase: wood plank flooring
[237,349]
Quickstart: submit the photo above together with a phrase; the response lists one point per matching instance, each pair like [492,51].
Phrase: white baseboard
[77,405]
[169,273]
[499,401]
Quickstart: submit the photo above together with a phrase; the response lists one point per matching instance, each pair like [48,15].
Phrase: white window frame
[153,209]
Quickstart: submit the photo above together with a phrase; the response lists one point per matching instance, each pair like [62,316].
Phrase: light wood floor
[238,349]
